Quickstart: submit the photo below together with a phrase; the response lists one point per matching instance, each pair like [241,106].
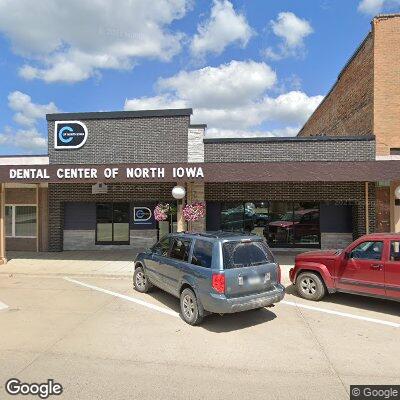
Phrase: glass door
[112,223]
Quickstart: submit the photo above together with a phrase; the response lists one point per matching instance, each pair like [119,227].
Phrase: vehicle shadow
[374,304]
[234,322]
[219,323]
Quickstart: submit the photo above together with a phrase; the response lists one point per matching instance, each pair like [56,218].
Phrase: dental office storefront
[105,173]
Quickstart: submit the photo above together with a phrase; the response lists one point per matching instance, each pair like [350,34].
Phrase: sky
[246,67]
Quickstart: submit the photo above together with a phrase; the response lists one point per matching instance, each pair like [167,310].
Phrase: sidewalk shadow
[366,303]
[219,323]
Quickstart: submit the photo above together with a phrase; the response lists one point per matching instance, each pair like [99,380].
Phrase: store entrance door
[112,223]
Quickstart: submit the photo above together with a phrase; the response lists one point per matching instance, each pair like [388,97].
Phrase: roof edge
[291,139]
[169,112]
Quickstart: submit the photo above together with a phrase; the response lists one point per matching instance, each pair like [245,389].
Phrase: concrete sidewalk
[108,263]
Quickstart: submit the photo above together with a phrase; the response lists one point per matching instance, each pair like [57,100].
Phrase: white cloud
[228,85]
[372,7]
[292,30]
[73,40]
[27,112]
[224,27]
[29,140]
[232,105]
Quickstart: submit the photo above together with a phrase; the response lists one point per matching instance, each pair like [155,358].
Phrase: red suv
[369,266]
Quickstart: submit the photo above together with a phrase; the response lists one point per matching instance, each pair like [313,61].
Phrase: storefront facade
[105,172]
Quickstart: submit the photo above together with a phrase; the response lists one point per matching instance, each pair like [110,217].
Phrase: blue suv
[215,272]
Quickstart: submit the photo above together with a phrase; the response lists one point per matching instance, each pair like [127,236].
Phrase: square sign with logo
[69,135]
[142,216]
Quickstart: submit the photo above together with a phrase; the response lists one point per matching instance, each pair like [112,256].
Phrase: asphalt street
[102,340]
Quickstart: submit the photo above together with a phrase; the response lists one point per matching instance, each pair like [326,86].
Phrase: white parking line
[342,314]
[175,314]
[3,306]
[125,297]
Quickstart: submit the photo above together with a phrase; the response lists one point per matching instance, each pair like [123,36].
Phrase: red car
[369,266]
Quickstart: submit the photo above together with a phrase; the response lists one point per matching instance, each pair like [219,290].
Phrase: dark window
[202,253]
[162,247]
[112,223]
[180,249]
[394,151]
[368,251]
[246,254]
[395,251]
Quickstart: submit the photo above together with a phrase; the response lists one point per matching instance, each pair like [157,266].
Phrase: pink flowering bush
[194,211]
[161,211]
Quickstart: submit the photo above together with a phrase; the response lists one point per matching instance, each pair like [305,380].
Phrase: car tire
[192,311]
[140,281]
[310,286]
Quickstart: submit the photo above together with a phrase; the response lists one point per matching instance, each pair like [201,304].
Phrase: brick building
[105,172]
[365,100]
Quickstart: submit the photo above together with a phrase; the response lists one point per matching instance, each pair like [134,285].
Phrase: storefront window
[21,221]
[280,223]
[232,217]
[112,223]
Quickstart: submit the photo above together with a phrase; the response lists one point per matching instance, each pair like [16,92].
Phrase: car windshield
[238,254]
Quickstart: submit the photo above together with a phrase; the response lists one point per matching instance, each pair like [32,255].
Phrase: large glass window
[112,223]
[21,221]
[281,223]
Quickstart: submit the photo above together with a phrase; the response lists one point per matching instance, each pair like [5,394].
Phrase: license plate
[267,277]
[253,280]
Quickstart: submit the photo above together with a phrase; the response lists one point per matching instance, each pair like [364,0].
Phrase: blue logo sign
[69,134]
[141,215]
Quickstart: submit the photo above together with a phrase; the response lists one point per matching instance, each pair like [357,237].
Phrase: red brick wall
[348,108]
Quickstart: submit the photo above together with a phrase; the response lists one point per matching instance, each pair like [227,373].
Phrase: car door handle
[377,266]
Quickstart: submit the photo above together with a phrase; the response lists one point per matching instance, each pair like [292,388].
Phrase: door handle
[377,266]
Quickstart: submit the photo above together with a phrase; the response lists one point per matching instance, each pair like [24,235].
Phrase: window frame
[13,225]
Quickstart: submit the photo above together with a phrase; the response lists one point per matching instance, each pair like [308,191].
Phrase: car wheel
[310,286]
[191,310]
[140,281]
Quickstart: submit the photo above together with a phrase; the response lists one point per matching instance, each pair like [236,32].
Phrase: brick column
[195,192]
[3,259]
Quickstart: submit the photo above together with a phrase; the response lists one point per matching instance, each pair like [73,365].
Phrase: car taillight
[278,273]
[218,282]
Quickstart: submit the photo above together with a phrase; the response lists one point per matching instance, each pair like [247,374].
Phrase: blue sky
[248,68]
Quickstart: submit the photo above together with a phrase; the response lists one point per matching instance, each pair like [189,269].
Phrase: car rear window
[241,254]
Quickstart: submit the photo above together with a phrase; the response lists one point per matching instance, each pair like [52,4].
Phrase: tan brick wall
[348,108]
[386,83]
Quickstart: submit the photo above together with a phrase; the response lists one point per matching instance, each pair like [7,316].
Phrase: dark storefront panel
[336,218]
[80,216]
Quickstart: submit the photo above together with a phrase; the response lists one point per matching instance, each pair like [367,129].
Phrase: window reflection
[280,223]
